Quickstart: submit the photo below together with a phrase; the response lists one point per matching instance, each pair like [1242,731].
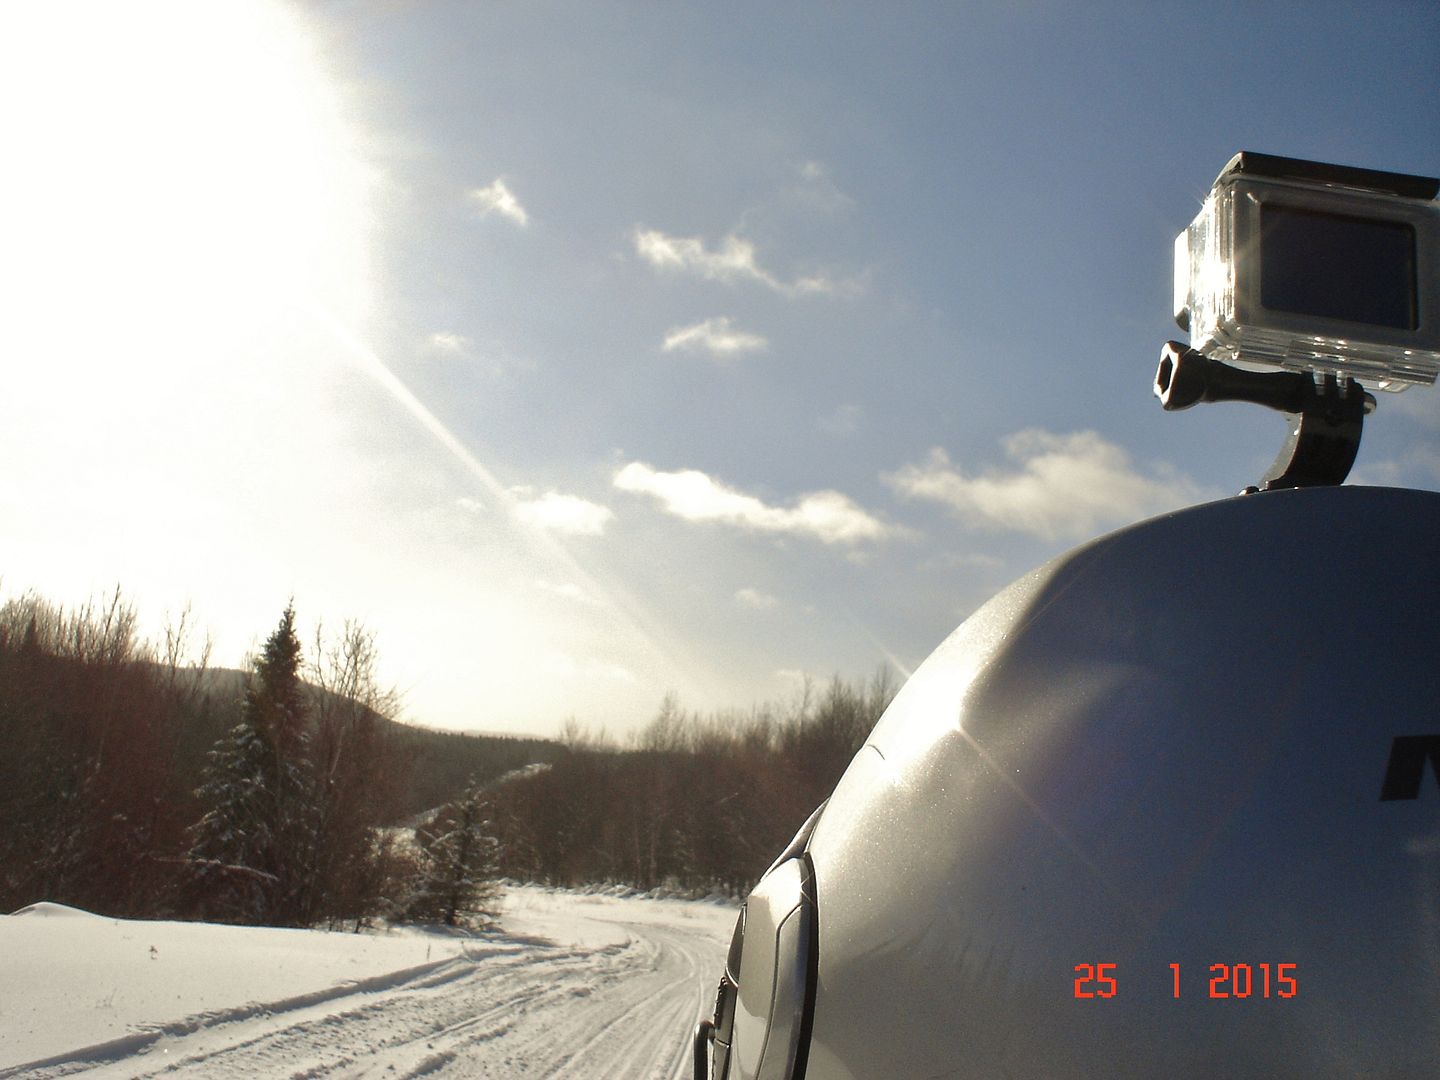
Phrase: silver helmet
[1166,807]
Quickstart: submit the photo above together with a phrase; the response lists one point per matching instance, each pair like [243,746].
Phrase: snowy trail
[616,1001]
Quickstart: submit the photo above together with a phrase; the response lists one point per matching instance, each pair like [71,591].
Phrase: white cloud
[693,496]
[565,666]
[1417,466]
[1065,486]
[734,260]
[486,356]
[566,590]
[469,504]
[819,190]
[562,513]
[450,344]
[496,198]
[717,336]
[754,598]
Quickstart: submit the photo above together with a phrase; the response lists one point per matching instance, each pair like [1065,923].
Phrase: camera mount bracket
[1324,417]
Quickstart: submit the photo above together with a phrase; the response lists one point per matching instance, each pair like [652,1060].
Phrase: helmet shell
[1167,747]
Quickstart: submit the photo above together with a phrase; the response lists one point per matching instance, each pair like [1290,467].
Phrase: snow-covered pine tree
[458,863]
[252,849]
[232,841]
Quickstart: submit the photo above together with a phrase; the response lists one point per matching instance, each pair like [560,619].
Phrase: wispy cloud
[487,356]
[568,514]
[447,343]
[496,198]
[691,495]
[1417,465]
[844,421]
[968,560]
[566,590]
[733,260]
[1064,486]
[563,665]
[716,336]
[819,191]
[754,598]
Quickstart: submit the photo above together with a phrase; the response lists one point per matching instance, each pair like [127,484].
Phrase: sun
[182,189]
[180,175]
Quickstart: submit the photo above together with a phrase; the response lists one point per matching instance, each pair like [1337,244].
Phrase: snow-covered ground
[591,985]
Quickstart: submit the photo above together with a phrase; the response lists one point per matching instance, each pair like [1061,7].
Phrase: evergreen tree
[254,846]
[458,862]
[233,840]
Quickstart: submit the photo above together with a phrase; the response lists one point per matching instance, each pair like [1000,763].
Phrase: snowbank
[70,979]
[77,988]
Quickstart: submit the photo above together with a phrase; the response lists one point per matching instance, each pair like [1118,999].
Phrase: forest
[139,782]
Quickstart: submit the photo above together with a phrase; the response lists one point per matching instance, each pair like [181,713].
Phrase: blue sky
[589,352]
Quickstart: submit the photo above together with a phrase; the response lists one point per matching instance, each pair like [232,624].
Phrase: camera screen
[1358,269]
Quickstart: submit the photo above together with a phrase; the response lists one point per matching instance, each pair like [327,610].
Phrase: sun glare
[182,186]
[179,175]
[191,391]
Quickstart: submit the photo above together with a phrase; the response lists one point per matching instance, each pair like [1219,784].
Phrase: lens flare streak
[613,598]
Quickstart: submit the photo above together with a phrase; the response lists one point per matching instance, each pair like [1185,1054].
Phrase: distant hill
[441,764]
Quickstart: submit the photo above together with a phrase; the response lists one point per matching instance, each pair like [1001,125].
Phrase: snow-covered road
[591,986]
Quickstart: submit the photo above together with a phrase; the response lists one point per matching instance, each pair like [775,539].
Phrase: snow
[611,981]
[606,917]
[70,978]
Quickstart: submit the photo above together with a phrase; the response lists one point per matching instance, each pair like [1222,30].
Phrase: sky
[588,353]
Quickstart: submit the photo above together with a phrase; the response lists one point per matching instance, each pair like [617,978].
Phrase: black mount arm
[1325,418]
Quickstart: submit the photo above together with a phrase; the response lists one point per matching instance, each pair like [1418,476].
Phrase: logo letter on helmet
[1406,770]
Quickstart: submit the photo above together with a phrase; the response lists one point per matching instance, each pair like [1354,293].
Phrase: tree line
[135,784]
[694,803]
[117,795]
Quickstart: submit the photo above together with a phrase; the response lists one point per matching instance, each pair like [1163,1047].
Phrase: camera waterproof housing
[1315,268]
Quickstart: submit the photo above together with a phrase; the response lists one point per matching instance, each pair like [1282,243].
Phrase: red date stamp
[1225,981]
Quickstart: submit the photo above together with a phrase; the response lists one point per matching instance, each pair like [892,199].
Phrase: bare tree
[87,812]
[357,769]
[182,662]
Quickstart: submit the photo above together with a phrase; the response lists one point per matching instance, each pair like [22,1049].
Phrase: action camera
[1317,268]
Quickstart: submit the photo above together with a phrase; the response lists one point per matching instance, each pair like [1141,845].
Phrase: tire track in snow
[622,1010]
[634,1025]
[611,1030]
